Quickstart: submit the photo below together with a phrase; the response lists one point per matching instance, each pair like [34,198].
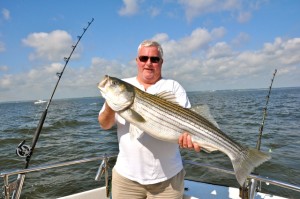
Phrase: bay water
[71,131]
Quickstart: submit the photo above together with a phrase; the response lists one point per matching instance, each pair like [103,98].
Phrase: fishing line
[26,151]
[254,187]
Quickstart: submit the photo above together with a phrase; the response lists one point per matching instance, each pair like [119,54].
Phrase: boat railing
[10,187]
[251,176]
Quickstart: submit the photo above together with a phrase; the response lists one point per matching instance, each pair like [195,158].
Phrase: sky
[208,44]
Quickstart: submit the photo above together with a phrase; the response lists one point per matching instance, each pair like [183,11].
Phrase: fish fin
[168,96]
[204,111]
[134,131]
[205,147]
[208,149]
[132,116]
[245,162]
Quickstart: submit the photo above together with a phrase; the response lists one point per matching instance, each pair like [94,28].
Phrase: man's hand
[107,117]
[185,141]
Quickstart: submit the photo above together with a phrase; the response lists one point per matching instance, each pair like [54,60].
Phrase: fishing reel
[23,150]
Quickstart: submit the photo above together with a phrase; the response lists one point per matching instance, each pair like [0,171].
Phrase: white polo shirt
[145,159]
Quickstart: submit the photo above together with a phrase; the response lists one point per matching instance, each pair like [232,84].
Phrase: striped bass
[160,117]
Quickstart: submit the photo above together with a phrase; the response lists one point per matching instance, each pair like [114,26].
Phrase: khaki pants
[123,188]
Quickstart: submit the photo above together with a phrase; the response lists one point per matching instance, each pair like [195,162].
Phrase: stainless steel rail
[8,188]
[5,175]
[51,166]
[251,176]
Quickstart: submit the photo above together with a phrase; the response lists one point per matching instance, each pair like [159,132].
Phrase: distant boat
[40,102]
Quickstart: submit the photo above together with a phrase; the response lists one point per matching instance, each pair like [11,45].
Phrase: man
[147,167]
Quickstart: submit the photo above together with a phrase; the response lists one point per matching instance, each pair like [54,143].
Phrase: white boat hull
[40,102]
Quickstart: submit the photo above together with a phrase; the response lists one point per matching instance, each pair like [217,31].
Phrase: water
[71,131]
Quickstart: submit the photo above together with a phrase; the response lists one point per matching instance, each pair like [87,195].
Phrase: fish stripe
[179,119]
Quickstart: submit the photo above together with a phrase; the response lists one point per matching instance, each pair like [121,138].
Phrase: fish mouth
[101,85]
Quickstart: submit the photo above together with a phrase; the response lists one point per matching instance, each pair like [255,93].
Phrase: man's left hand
[185,141]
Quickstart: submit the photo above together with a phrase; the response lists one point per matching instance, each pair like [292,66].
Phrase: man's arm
[106,118]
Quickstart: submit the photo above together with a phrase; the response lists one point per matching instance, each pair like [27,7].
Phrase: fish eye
[114,83]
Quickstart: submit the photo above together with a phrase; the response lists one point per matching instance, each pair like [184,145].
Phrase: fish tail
[244,164]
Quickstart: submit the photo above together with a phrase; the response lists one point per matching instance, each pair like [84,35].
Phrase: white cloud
[241,10]
[194,8]
[39,82]
[287,51]
[219,50]
[161,37]
[240,39]
[130,8]
[53,46]
[218,32]
[5,14]
[198,40]
[2,46]
[198,61]
[3,68]
[154,11]
[244,17]
[6,82]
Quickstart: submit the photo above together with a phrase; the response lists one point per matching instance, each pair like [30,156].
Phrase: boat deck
[193,190]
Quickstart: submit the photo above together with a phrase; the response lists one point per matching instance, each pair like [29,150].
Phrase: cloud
[204,57]
[36,83]
[5,14]
[3,68]
[219,50]
[154,11]
[198,40]
[241,10]
[285,51]
[6,82]
[201,60]
[240,39]
[2,47]
[244,17]
[39,82]
[194,8]
[130,8]
[51,46]
[248,65]
[33,84]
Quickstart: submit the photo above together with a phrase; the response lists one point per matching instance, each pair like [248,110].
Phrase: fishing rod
[258,144]
[254,187]
[26,151]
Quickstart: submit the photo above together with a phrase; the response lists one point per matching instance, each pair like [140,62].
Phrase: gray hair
[147,43]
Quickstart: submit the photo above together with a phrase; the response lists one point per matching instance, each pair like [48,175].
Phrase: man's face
[149,63]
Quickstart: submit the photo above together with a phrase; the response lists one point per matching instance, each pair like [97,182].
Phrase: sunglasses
[152,59]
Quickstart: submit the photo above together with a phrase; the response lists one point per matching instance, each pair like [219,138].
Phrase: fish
[163,118]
